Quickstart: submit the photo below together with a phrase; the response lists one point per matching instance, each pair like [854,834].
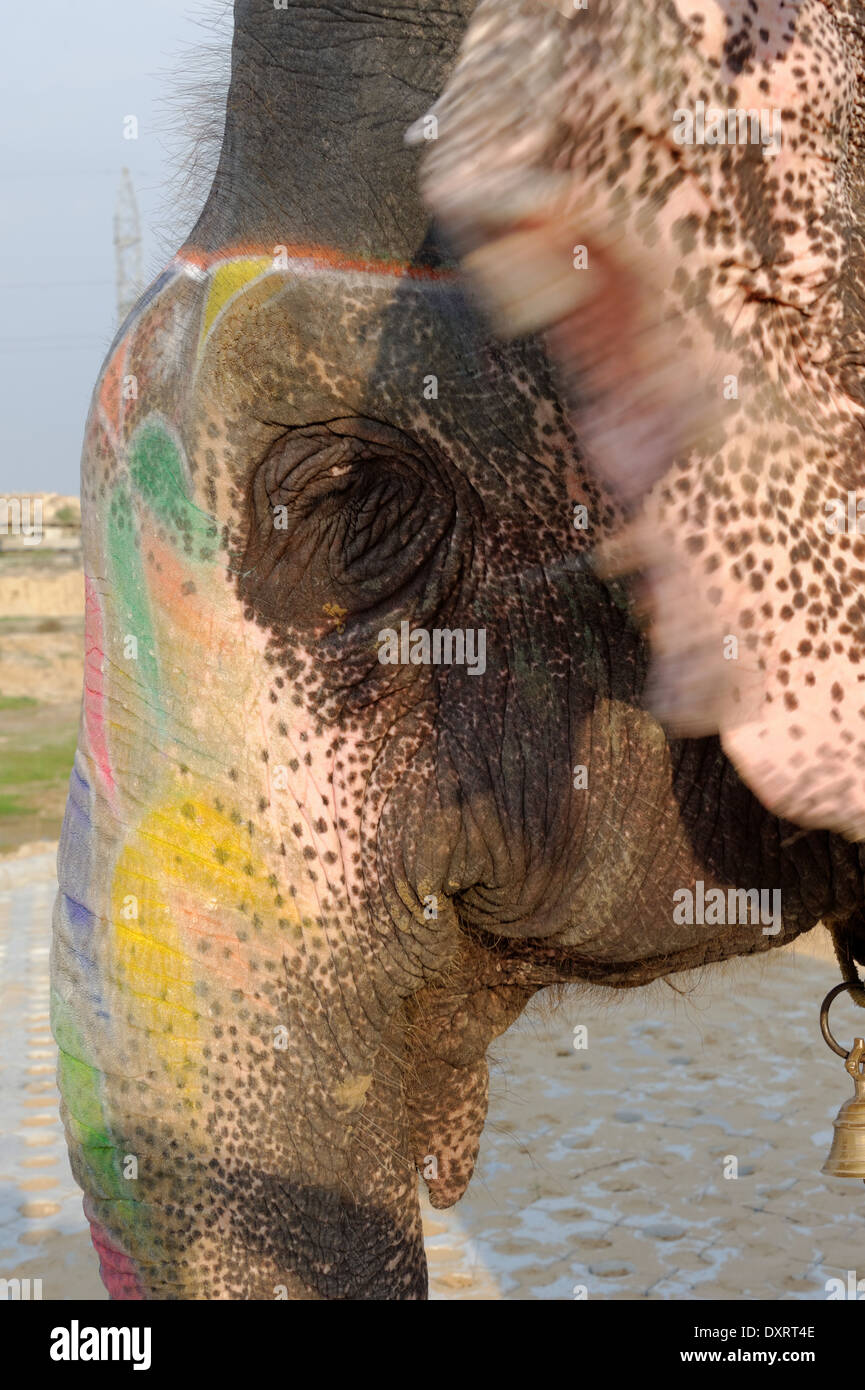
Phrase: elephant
[366,758]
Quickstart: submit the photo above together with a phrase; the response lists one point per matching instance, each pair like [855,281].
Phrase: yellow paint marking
[226,281]
[188,885]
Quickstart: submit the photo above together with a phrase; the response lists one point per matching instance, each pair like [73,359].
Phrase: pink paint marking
[94,696]
[116,1270]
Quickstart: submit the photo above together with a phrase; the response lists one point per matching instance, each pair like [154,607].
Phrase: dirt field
[41,666]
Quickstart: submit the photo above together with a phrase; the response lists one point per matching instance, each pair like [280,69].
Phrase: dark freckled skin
[286,1034]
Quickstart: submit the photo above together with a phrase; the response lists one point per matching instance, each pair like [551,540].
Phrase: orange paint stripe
[325,257]
[110,389]
[166,576]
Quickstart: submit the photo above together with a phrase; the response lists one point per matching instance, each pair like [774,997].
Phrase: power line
[55,347]
[12,341]
[52,284]
[76,174]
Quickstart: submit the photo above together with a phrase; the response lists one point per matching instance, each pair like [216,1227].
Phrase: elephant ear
[751,580]
[734,457]
[736,468]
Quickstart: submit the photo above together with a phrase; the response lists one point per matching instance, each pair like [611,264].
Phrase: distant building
[39,521]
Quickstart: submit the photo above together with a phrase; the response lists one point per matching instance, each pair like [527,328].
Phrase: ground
[41,663]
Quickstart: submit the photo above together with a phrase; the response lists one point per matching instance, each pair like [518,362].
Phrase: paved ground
[601,1168]
[42,1228]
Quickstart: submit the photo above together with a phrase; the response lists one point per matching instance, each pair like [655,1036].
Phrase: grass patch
[37,748]
[18,765]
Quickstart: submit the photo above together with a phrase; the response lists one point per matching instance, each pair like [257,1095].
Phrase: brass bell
[847,1155]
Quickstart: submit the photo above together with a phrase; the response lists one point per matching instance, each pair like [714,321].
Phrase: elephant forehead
[222,358]
[312,339]
[236,286]
[405,352]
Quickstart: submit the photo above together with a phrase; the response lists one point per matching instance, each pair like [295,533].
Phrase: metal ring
[824,1014]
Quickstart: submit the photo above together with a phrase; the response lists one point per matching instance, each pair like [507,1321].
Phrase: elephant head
[363,760]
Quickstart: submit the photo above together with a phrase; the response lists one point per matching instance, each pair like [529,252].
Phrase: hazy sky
[71,73]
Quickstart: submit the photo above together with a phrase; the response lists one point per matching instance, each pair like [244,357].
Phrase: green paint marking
[80,1087]
[130,595]
[157,471]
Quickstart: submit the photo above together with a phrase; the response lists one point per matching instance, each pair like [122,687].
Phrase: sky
[71,74]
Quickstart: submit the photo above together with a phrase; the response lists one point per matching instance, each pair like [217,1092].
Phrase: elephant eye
[341,517]
[374,515]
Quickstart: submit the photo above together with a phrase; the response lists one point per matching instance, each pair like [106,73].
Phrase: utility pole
[127,247]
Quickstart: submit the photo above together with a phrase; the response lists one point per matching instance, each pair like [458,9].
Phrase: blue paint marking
[78,914]
[78,935]
[76,777]
[73,855]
